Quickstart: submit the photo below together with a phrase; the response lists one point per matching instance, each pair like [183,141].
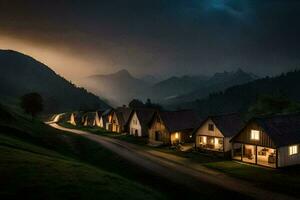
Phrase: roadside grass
[28,174]
[39,162]
[285,180]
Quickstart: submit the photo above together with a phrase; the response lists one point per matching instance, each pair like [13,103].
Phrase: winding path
[176,168]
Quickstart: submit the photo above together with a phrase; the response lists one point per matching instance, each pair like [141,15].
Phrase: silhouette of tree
[32,104]
[151,105]
[135,103]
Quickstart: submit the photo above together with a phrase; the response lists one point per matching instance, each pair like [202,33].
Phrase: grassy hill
[38,162]
[21,74]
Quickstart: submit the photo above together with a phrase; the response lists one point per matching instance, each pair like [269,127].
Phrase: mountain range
[21,74]
[121,87]
[118,88]
[240,98]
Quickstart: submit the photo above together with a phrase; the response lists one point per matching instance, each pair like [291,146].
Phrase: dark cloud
[163,36]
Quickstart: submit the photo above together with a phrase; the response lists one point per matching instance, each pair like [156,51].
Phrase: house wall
[97,120]
[204,131]
[101,123]
[245,136]
[227,144]
[72,119]
[135,125]
[284,159]
[115,124]
[158,125]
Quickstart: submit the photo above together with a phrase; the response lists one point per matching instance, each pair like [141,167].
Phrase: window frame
[255,135]
[293,150]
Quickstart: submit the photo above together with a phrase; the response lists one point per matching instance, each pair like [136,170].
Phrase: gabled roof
[123,114]
[228,124]
[179,120]
[106,112]
[100,112]
[144,116]
[90,116]
[78,116]
[282,129]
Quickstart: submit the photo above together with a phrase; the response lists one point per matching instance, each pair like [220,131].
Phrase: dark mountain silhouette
[119,88]
[150,79]
[21,74]
[240,98]
[173,87]
[191,88]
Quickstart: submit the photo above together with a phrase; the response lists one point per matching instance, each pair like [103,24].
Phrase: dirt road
[176,168]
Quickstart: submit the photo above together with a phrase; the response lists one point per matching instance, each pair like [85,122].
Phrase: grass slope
[38,162]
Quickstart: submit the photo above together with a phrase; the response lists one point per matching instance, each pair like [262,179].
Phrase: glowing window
[176,135]
[203,140]
[216,141]
[293,150]
[254,135]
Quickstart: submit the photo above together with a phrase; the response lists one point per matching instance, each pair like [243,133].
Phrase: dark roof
[107,112]
[144,116]
[78,116]
[90,116]
[179,120]
[100,112]
[123,114]
[228,124]
[282,129]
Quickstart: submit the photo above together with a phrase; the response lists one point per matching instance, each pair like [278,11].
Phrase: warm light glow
[59,58]
[293,150]
[176,135]
[254,135]
[204,139]
[216,141]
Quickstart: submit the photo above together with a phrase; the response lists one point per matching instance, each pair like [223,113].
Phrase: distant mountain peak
[123,72]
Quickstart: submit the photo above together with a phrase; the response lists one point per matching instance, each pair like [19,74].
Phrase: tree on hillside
[32,104]
[135,103]
[151,105]
[273,104]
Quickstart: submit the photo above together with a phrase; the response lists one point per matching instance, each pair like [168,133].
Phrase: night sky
[160,37]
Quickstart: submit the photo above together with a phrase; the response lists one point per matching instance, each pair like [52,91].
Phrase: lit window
[216,141]
[254,135]
[203,140]
[176,135]
[293,150]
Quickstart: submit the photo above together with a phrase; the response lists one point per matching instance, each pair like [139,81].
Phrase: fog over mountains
[121,87]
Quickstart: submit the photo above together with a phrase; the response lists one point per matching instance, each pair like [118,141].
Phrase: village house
[215,132]
[139,122]
[269,141]
[89,119]
[98,115]
[76,118]
[172,127]
[119,119]
[104,118]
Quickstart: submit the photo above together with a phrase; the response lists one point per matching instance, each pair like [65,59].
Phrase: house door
[136,133]
[157,136]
